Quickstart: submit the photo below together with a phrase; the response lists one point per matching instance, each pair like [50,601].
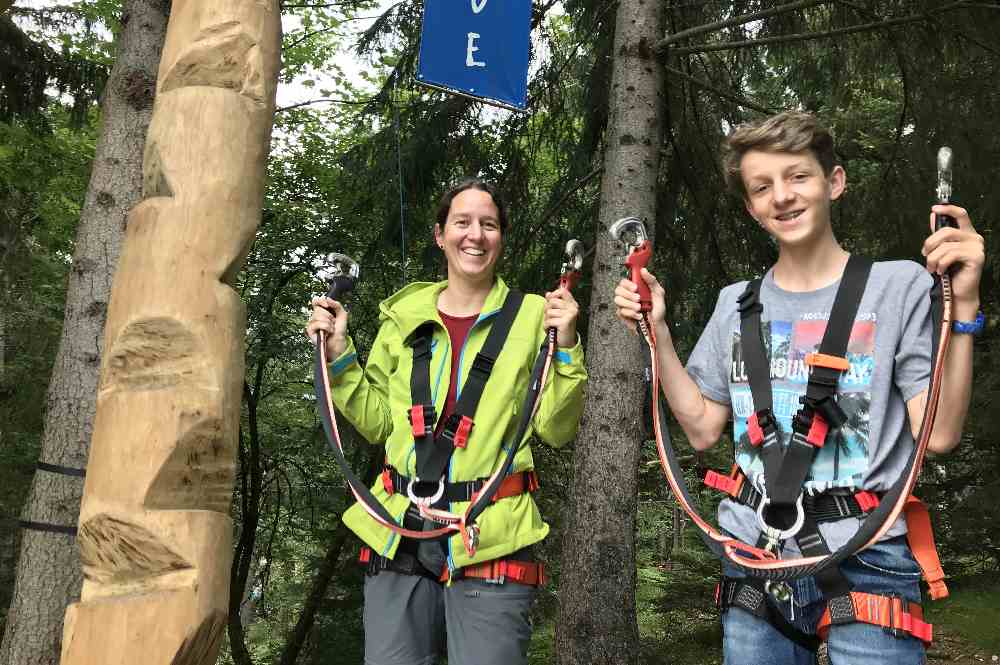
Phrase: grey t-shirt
[890,360]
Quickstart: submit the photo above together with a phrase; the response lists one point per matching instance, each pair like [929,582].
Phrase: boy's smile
[789,195]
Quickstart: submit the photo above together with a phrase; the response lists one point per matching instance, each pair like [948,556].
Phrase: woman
[421,596]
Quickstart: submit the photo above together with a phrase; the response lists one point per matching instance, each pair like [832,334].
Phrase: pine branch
[736,20]
[725,94]
[806,36]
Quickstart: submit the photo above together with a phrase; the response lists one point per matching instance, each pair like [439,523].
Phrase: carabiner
[425,501]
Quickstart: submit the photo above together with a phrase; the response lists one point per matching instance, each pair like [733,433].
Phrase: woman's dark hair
[444,205]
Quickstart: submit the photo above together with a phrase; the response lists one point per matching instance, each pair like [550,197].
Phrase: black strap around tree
[433,453]
[785,471]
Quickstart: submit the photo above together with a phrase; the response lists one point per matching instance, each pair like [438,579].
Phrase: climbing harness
[783,510]
[433,452]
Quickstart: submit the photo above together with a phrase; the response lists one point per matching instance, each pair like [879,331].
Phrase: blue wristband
[969,327]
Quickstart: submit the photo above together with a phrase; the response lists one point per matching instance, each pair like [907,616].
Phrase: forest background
[358,160]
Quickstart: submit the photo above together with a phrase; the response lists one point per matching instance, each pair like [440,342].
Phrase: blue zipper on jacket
[458,393]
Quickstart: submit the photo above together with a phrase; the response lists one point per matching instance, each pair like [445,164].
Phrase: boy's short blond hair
[789,131]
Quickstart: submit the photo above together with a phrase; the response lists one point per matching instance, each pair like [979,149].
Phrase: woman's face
[471,238]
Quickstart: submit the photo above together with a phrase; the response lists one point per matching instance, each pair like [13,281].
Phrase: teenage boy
[785,170]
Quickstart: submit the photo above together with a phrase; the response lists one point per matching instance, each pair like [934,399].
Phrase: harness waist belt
[823,507]
[530,573]
[513,485]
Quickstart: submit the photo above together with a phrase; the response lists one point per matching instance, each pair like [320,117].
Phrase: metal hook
[630,231]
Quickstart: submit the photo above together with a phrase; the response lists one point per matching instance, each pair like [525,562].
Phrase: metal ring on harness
[775,534]
[425,501]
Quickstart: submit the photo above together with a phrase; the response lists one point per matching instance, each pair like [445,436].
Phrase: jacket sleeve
[561,405]
[361,395]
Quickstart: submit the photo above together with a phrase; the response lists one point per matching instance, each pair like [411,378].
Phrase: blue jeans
[887,568]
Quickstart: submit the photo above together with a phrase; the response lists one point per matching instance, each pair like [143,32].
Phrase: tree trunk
[48,574]
[597,615]
[155,533]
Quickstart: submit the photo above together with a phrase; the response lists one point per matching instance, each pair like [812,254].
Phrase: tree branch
[725,94]
[736,20]
[359,102]
[5,5]
[805,36]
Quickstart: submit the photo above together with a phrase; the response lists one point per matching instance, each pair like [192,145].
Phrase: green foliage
[362,176]
[44,168]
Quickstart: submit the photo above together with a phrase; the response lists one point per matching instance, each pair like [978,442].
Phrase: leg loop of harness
[897,616]
[749,595]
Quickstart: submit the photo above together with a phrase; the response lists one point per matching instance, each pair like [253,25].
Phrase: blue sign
[477,48]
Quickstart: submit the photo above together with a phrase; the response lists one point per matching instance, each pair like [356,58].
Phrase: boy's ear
[749,209]
[838,182]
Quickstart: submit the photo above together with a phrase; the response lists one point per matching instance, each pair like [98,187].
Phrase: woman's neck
[463,298]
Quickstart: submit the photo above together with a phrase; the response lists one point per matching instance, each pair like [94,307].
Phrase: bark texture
[597,614]
[155,534]
[48,573]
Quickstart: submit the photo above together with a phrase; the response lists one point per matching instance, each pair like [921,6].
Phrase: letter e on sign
[471,48]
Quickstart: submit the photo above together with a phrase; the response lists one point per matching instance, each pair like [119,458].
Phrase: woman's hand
[561,310]
[333,324]
[627,301]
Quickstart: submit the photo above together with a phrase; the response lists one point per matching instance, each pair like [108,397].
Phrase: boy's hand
[960,250]
[627,301]
[561,310]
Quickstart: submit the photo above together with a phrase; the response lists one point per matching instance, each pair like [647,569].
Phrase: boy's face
[788,194]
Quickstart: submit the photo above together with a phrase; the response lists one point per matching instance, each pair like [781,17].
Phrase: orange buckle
[817,431]
[462,432]
[867,501]
[824,360]
[730,484]
[754,430]
[387,482]
[418,421]
[365,556]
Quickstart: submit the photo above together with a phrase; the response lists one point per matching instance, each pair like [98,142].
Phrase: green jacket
[376,399]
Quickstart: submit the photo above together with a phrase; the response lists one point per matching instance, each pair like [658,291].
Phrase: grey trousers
[409,619]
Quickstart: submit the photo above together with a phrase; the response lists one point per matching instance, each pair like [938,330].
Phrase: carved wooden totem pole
[154,532]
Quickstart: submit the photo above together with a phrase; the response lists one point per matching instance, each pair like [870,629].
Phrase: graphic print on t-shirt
[843,460]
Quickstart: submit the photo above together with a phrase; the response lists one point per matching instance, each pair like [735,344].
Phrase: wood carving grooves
[202,646]
[199,473]
[113,552]
[154,177]
[222,56]
[152,354]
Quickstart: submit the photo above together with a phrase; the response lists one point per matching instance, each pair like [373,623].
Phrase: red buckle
[727,484]
[817,431]
[718,593]
[754,430]
[365,556]
[417,420]
[533,483]
[462,432]
[867,501]
[387,482]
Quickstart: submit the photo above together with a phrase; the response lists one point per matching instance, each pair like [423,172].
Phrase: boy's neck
[809,268]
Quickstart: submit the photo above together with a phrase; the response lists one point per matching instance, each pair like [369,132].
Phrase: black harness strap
[785,471]
[432,452]
[749,594]
[48,528]
[61,470]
